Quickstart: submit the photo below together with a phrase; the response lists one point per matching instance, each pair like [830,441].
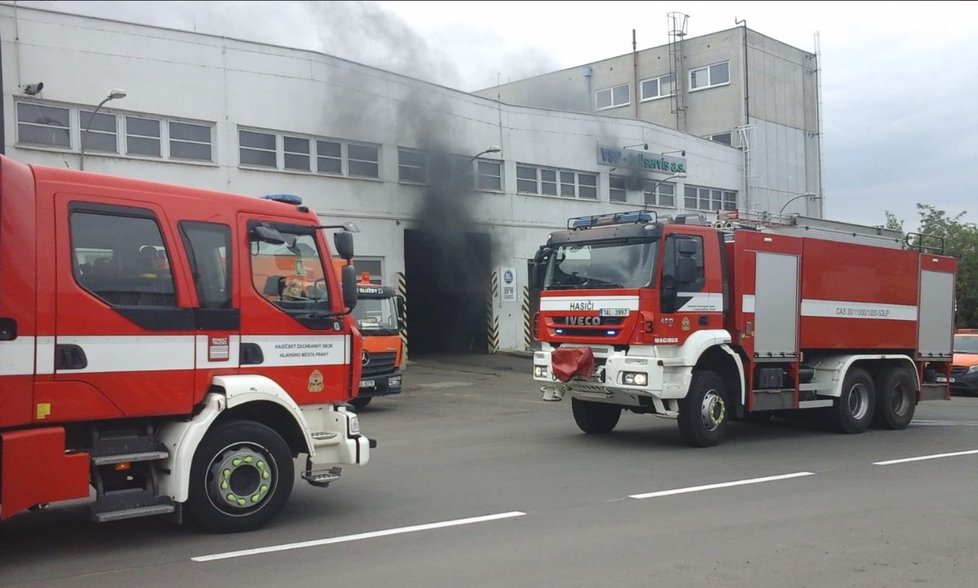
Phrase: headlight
[972,369]
[634,378]
[394,382]
[353,425]
[540,371]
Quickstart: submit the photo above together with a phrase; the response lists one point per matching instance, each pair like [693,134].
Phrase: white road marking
[924,457]
[358,537]
[932,423]
[722,485]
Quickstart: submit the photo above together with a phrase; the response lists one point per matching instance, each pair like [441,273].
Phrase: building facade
[453,192]
[736,87]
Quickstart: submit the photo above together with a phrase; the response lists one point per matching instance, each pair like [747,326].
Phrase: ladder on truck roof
[803,226]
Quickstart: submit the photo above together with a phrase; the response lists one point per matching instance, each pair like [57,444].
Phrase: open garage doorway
[447,285]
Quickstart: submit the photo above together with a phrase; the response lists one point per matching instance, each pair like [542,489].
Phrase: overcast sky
[899,79]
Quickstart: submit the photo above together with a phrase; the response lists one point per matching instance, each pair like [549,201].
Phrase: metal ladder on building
[677,22]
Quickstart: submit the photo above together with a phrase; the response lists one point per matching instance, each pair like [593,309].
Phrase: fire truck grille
[379,363]
[591,332]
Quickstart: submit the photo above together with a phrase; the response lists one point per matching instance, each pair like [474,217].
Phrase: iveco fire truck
[704,322]
[155,355]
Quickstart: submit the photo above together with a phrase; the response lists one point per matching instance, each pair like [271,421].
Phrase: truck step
[101,460]
[132,513]
[130,503]
[322,478]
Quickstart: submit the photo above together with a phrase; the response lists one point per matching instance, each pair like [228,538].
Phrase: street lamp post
[662,181]
[113,95]
[805,195]
[489,149]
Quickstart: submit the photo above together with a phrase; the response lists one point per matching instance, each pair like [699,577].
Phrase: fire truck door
[776,305]
[123,346]
[686,304]
[216,317]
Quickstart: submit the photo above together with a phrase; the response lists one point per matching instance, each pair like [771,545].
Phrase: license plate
[367,383]
[613,312]
[942,379]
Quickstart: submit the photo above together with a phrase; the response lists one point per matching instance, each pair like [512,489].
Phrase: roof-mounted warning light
[285,198]
[616,218]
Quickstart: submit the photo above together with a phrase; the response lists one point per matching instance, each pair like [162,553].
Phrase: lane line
[722,485]
[924,457]
[357,537]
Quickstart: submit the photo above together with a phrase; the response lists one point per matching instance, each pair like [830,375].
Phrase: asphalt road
[477,482]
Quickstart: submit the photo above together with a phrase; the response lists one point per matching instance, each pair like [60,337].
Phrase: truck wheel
[595,418]
[896,398]
[854,408]
[241,476]
[703,413]
[359,403]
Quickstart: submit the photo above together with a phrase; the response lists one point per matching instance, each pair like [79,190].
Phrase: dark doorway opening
[447,289]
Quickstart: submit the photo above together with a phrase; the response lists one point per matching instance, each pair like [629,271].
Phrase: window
[101,135]
[257,148]
[296,153]
[363,160]
[659,87]
[724,138]
[329,157]
[551,182]
[143,136]
[710,76]
[618,186]
[121,259]
[700,198]
[290,275]
[612,97]
[680,250]
[412,166]
[489,175]
[43,125]
[190,141]
[139,135]
[208,246]
[660,194]
[371,267]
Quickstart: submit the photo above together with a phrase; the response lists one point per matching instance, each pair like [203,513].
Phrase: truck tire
[855,407]
[359,402]
[703,414]
[241,477]
[595,418]
[896,398]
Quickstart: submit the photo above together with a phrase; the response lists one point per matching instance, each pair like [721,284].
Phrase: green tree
[961,241]
[892,222]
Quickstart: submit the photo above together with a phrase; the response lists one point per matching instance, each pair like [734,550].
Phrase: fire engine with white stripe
[707,322]
[156,357]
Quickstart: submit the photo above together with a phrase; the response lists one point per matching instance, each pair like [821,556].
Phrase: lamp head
[116,93]
[33,89]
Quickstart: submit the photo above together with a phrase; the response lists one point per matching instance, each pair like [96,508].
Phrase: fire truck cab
[380,319]
[705,322]
[153,355]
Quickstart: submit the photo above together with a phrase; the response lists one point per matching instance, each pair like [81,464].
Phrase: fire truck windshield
[376,316]
[290,275]
[603,264]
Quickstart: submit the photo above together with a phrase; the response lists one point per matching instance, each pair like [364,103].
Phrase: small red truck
[153,356]
[703,322]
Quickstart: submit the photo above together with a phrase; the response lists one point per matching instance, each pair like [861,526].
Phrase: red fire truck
[153,356]
[704,322]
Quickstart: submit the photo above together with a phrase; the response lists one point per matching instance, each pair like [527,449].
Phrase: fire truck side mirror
[349,285]
[344,246]
[538,268]
[401,312]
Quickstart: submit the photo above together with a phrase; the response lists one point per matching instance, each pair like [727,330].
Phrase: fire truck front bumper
[619,378]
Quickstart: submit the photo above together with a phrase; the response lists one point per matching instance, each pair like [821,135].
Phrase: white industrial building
[453,192]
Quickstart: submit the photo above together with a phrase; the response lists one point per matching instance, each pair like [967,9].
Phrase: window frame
[552,182]
[709,76]
[658,85]
[611,91]
[725,199]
